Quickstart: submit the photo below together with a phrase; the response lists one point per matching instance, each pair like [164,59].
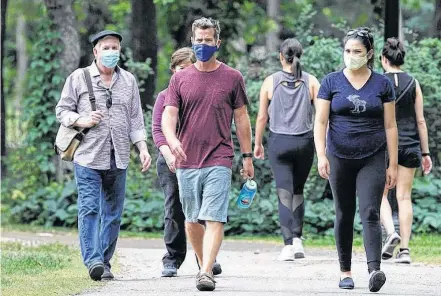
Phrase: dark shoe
[376,280]
[107,274]
[389,244]
[169,270]
[96,271]
[205,282]
[346,283]
[217,269]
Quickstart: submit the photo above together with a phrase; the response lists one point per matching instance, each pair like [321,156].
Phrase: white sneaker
[403,257]
[298,250]
[287,254]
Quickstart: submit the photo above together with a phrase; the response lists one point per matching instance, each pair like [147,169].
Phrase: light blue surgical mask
[109,58]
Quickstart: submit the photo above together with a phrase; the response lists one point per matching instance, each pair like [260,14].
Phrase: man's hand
[144,155]
[93,119]
[178,152]
[146,160]
[247,172]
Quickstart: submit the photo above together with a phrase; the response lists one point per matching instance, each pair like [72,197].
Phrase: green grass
[424,248]
[36,228]
[50,269]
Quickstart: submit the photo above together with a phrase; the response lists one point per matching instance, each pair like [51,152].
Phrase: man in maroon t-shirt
[204,98]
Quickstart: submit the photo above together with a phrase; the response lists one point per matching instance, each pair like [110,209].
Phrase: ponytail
[292,50]
[296,68]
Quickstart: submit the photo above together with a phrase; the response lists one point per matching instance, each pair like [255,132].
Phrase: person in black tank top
[413,149]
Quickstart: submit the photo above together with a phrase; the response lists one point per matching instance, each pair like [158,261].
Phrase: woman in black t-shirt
[412,146]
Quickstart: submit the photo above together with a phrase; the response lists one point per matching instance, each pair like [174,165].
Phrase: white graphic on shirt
[357,104]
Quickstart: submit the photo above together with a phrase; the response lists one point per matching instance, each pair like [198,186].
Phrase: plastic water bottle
[247,194]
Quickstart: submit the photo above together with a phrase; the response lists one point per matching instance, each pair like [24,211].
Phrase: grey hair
[97,46]
[206,23]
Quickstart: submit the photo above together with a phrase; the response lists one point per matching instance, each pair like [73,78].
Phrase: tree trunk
[22,65]
[3,111]
[272,38]
[63,17]
[392,19]
[144,44]
[97,16]
[437,20]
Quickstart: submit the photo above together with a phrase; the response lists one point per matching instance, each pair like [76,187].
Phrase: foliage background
[30,190]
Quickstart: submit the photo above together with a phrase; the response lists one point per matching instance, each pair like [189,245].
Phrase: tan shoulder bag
[68,139]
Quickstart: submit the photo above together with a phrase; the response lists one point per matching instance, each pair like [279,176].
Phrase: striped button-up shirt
[123,121]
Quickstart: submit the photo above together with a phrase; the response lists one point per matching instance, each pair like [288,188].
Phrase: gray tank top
[290,110]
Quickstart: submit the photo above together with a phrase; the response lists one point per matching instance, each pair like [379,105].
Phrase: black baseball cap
[95,38]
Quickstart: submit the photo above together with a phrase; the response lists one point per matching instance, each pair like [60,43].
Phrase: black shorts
[409,157]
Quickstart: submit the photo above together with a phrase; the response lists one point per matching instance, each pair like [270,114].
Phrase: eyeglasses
[109,98]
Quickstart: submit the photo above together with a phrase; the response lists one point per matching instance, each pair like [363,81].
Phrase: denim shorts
[204,193]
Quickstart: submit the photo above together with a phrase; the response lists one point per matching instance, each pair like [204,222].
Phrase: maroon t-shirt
[206,101]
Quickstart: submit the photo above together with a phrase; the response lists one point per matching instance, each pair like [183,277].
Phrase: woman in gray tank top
[286,98]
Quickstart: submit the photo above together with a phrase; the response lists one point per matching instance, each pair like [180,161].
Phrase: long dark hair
[394,52]
[365,36]
[292,50]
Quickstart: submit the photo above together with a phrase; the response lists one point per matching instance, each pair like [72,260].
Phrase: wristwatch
[249,154]
[425,154]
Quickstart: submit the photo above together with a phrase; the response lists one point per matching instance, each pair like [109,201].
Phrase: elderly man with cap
[101,160]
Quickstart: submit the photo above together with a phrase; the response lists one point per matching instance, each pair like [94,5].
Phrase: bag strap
[91,95]
[405,90]
[90,88]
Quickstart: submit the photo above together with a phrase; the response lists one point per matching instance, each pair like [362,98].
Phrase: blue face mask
[109,58]
[204,52]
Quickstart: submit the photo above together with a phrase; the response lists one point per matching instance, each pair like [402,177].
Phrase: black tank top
[405,109]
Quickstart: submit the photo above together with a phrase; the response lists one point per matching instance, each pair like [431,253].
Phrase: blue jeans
[101,196]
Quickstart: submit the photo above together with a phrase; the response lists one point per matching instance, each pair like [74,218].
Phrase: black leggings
[366,178]
[291,159]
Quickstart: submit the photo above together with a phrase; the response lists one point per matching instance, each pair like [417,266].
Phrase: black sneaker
[217,269]
[205,282]
[96,271]
[389,244]
[107,274]
[169,270]
[346,283]
[376,280]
